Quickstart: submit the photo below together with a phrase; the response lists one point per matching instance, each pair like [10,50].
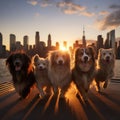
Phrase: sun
[63,48]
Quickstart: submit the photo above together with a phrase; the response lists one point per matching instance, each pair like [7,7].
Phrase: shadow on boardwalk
[105,106]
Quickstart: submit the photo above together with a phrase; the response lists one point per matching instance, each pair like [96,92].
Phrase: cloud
[32,2]
[70,8]
[104,13]
[42,3]
[66,6]
[88,14]
[112,20]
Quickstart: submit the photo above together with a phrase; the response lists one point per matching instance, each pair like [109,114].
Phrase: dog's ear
[47,61]
[9,59]
[113,52]
[101,49]
[76,53]
[93,53]
[68,56]
[35,58]
[27,58]
[51,57]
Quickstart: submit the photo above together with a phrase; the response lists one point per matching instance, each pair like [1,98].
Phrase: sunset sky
[63,19]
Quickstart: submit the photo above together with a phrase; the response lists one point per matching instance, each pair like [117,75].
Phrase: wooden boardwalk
[105,106]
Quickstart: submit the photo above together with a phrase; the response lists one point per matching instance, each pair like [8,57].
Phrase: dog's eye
[110,53]
[104,53]
[63,56]
[81,53]
[87,53]
[57,56]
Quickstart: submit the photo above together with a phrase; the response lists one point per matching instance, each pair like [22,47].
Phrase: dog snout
[41,67]
[60,62]
[108,58]
[17,63]
[86,58]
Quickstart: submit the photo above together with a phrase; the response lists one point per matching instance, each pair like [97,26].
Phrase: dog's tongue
[17,68]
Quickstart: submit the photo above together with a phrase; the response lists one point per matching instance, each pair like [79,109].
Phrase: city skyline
[63,19]
[42,48]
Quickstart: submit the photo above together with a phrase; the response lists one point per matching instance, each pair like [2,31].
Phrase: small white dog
[59,70]
[41,74]
[105,71]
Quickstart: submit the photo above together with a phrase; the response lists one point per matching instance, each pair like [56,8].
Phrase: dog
[105,70]
[41,74]
[20,67]
[59,71]
[84,70]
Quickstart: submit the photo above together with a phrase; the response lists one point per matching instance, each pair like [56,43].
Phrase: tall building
[65,44]
[25,43]
[18,45]
[12,42]
[1,39]
[112,39]
[57,45]
[107,42]
[99,42]
[83,38]
[37,39]
[49,42]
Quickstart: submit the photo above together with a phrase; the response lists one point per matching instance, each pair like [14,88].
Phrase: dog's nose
[17,63]
[85,58]
[60,62]
[108,58]
[40,67]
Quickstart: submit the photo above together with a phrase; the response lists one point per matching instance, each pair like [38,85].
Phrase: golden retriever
[105,70]
[59,70]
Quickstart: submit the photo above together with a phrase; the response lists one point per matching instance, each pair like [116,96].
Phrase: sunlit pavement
[100,106]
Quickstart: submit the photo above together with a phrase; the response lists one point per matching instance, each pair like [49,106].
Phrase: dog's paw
[42,95]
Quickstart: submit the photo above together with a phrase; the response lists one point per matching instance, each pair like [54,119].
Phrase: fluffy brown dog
[59,70]
[84,69]
[20,67]
[41,74]
[105,71]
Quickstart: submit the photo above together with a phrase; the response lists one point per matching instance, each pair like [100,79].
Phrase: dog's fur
[41,74]
[83,71]
[20,67]
[59,70]
[105,71]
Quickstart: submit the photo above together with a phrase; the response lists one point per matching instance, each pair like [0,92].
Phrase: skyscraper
[99,42]
[49,41]
[12,42]
[112,39]
[25,42]
[65,44]
[83,38]
[107,42]
[37,39]
[1,43]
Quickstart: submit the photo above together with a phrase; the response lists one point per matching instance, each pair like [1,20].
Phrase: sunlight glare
[63,48]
